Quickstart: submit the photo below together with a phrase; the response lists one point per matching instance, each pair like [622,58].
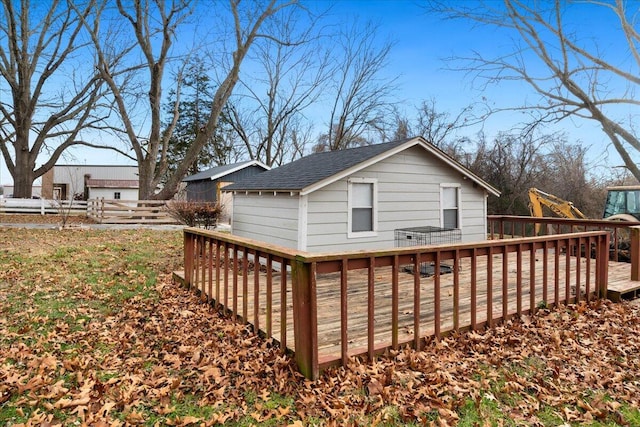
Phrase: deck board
[328,298]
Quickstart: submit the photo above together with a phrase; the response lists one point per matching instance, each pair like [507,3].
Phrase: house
[358,198]
[206,186]
[65,182]
[112,189]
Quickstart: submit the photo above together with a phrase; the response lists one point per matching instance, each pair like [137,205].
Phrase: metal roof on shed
[220,171]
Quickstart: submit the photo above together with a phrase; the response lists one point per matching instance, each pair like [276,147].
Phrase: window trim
[458,188]
[357,234]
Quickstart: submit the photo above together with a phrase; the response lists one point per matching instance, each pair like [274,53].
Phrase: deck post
[635,253]
[188,258]
[602,266]
[305,317]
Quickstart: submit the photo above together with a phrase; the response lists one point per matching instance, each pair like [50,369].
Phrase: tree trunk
[145,180]
[23,183]
[23,175]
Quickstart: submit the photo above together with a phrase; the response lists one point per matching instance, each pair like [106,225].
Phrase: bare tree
[570,176]
[438,127]
[268,111]
[513,164]
[48,96]
[563,63]
[154,25]
[360,95]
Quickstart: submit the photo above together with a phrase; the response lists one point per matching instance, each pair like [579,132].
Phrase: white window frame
[458,188]
[350,206]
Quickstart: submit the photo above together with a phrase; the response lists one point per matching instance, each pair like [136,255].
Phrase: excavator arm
[560,207]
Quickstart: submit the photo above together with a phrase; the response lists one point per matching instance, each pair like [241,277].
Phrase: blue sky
[422,41]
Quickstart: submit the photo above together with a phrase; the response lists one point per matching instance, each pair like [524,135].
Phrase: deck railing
[504,226]
[329,307]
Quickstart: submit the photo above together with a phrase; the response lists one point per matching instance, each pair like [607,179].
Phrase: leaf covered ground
[93,332]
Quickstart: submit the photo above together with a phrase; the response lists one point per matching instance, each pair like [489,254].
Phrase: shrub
[195,214]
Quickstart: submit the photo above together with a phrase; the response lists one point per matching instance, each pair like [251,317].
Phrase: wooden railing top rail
[279,251]
[442,248]
[563,221]
[446,251]
[332,262]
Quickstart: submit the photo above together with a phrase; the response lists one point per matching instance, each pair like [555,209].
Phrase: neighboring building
[85,182]
[357,198]
[206,186]
[112,189]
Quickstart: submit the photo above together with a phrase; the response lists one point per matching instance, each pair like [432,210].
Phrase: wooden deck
[531,291]
[621,287]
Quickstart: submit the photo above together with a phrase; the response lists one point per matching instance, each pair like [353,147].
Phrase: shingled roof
[316,170]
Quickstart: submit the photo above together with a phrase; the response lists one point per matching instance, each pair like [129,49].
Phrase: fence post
[635,253]
[188,258]
[305,318]
[602,266]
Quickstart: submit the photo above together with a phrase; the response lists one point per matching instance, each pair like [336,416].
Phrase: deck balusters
[436,296]
[532,278]
[505,283]
[456,290]
[245,285]
[416,301]
[371,307]
[256,290]
[236,272]
[283,305]
[490,288]
[395,267]
[366,276]
[269,321]
[519,280]
[474,290]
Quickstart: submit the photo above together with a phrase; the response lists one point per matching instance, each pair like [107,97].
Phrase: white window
[116,195]
[362,207]
[450,205]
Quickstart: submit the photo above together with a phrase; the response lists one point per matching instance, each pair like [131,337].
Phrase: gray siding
[201,191]
[408,196]
[267,217]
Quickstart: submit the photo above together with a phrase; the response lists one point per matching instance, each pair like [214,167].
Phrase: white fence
[100,210]
[42,206]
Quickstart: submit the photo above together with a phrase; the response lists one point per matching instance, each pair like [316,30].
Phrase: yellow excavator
[623,204]
[563,208]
